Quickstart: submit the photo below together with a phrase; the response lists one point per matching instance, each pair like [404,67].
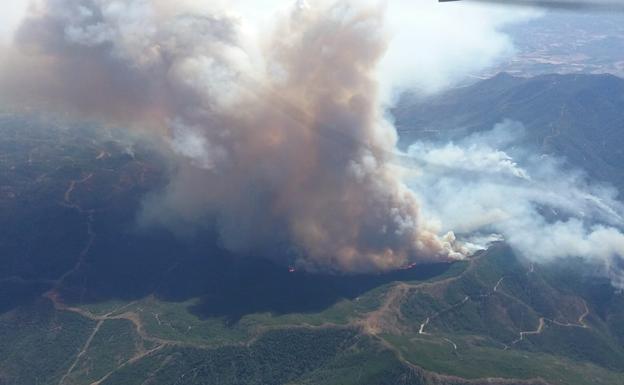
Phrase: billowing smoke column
[280,140]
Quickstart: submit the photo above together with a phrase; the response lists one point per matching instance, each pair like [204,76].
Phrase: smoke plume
[280,141]
[484,185]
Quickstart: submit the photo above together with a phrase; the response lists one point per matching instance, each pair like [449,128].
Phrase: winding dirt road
[581,323]
[539,330]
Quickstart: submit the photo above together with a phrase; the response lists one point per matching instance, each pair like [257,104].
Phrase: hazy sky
[432,44]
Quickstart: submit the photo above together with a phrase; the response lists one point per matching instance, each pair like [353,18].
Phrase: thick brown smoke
[280,139]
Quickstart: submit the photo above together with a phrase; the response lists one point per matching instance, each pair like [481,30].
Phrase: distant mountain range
[579,117]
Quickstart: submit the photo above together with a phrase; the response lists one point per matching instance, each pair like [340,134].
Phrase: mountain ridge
[576,117]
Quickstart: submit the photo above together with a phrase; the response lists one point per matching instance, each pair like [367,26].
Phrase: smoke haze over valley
[282,140]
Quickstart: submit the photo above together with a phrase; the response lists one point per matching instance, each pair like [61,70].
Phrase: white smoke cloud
[431,45]
[484,185]
[436,45]
[11,14]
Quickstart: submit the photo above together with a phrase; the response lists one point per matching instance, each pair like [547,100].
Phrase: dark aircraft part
[573,5]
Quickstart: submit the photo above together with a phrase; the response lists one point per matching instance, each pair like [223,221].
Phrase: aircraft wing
[598,5]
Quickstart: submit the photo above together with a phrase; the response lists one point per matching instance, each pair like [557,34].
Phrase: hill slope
[579,117]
